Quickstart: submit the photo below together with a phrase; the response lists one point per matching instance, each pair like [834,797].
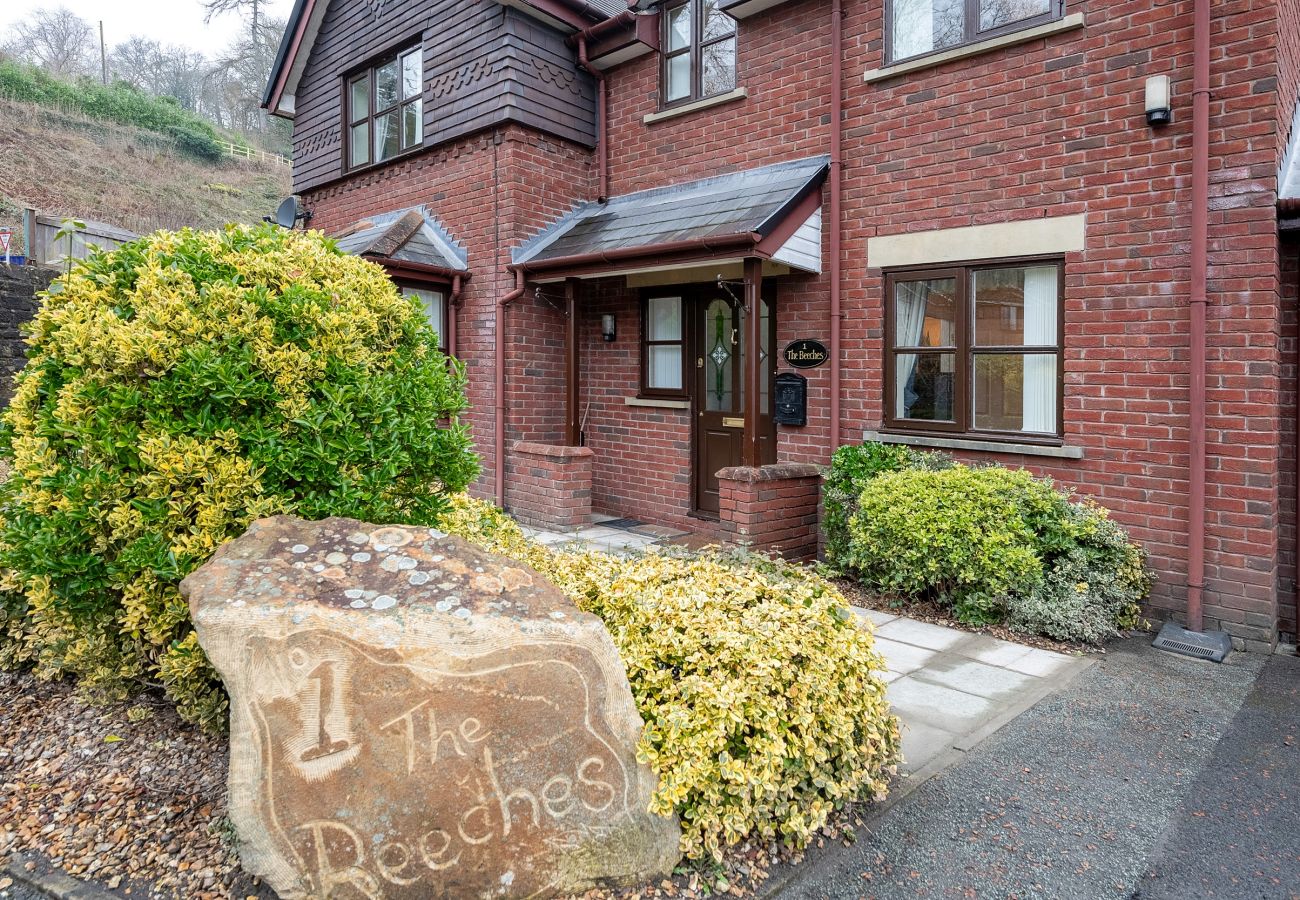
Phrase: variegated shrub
[180,387]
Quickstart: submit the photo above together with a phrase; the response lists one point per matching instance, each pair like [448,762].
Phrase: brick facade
[19,286]
[772,507]
[1048,128]
[554,485]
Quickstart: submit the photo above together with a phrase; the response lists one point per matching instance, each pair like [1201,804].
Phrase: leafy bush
[753,677]
[850,470]
[178,388]
[118,102]
[998,545]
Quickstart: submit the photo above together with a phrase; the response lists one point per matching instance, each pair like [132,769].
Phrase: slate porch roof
[751,202]
[406,235]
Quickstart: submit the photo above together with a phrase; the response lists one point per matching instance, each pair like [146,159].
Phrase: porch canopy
[772,213]
[751,223]
[408,242]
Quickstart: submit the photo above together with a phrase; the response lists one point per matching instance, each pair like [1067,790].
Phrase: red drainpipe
[499,430]
[1199,265]
[453,308]
[837,134]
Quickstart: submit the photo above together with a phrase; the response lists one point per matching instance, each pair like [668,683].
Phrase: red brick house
[965,203]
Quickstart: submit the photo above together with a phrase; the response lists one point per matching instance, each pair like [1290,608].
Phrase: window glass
[385,136]
[996,13]
[920,26]
[359,152]
[925,385]
[719,72]
[1016,307]
[716,23]
[925,313]
[411,122]
[664,367]
[434,305]
[411,75]
[679,77]
[679,27]
[665,319]
[360,99]
[1015,392]
[386,85]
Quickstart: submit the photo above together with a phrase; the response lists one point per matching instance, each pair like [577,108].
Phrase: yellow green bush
[753,676]
[178,388]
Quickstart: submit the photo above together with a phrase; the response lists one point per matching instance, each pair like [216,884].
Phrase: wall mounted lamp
[1158,97]
[607,330]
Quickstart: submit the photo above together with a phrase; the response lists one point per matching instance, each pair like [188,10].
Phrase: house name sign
[806,353]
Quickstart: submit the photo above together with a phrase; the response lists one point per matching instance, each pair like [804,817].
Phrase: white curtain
[1040,368]
[909,323]
[913,27]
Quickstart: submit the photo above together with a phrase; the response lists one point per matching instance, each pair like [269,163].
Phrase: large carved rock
[412,717]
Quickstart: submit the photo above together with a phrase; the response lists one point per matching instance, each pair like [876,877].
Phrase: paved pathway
[628,536]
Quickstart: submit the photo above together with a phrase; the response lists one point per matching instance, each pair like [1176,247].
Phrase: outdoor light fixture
[1159,111]
[607,326]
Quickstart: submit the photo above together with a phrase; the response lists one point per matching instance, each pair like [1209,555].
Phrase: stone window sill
[961,443]
[687,108]
[1069,23]
[654,403]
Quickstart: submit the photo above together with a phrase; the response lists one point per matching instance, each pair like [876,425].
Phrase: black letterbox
[791,399]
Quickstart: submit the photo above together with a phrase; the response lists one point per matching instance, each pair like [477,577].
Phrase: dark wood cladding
[484,64]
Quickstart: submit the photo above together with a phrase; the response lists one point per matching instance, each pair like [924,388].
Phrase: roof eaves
[287,40]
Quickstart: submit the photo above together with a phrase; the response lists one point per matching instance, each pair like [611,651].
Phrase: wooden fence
[43,249]
[240,151]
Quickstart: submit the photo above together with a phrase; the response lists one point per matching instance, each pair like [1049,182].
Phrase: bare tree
[58,40]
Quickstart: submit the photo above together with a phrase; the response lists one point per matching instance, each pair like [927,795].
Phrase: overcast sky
[168,21]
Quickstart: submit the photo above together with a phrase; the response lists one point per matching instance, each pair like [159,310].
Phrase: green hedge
[993,544]
[117,102]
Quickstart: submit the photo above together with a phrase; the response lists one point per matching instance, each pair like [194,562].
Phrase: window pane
[920,26]
[1016,307]
[924,386]
[385,136]
[719,67]
[716,23]
[360,149]
[664,367]
[411,80]
[1015,392]
[386,85]
[925,313]
[679,27]
[1003,12]
[679,77]
[360,104]
[412,120]
[432,304]
[664,319]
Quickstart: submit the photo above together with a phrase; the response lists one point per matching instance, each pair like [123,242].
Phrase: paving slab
[917,700]
[902,658]
[1040,663]
[922,743]
[874,616]
[971,677]
[921,634]
[990,650]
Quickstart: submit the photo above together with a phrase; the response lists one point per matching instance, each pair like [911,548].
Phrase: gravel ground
[136,806]
[1068,800]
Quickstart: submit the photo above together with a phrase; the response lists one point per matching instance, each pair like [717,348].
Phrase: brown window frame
[971,33]
[695,49]
[644,390]
[965,351]
[352,118]
[443,289]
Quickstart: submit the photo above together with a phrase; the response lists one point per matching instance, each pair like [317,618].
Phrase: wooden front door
[719,390]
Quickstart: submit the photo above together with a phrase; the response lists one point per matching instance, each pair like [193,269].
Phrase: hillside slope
[68,165]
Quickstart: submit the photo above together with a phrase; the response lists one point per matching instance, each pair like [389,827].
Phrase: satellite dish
[286,215]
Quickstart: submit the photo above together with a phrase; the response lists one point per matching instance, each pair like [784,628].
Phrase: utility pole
[103,56]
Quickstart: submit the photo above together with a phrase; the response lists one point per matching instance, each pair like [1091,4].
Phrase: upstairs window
[917,27]
[699,56]
[385,114]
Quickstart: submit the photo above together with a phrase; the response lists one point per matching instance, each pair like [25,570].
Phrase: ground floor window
[434,304]
[975,349]
[663,348]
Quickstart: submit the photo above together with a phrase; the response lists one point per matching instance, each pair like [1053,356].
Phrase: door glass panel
[925,313]
[924,385]
[719,388]
[1015,392]
[765,362]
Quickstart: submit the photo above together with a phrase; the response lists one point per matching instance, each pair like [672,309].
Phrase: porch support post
[572,417]
[750,453]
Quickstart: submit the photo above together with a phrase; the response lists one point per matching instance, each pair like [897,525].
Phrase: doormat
[622,523]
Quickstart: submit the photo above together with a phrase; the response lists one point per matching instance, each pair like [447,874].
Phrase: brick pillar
[550,486]
[772,507]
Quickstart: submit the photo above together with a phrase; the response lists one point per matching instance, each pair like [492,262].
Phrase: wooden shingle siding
[484,65]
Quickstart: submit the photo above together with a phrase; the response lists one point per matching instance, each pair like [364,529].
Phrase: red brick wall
[772,507]
[552,485]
